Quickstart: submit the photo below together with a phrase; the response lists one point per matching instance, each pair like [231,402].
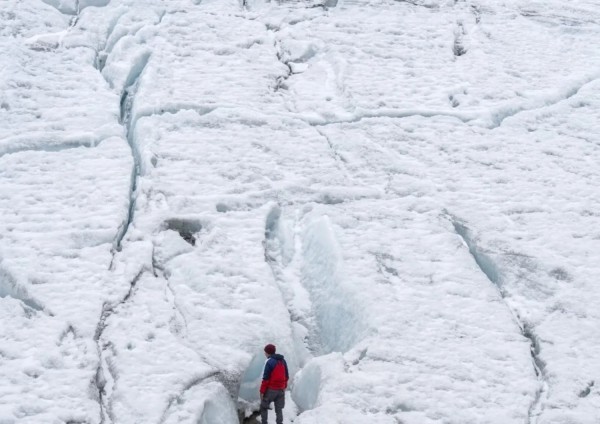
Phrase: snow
[401,196]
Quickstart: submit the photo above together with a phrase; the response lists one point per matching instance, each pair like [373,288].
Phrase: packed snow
[402,196]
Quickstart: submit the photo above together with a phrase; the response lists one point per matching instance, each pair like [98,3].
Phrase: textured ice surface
[402,196]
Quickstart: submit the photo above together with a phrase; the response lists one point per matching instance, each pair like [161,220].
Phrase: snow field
[411,68]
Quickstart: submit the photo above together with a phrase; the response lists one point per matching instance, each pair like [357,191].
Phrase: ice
[337,310]
[402,196]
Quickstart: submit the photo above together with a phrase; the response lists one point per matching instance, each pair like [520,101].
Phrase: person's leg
[264,405]
[264,414]
[279,405]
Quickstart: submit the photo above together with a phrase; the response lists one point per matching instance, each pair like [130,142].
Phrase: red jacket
[276,374]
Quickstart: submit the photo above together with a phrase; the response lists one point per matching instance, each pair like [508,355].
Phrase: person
[274,382]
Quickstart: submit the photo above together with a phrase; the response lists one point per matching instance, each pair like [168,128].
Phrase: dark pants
[276,396]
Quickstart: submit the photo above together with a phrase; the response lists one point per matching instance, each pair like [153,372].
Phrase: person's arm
[287,374]
[266,376]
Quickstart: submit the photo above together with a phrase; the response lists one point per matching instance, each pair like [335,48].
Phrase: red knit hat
[270,349]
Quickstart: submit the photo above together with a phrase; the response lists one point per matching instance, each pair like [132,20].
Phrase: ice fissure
[128,120]
[569,90]
[104,380]
[279,253]
[11,288]
[491,271]
[360,114]
[75,18]
[483,261]
[103,372]
[191,384]
[336,154]
[173,109]
[337,317]
[158,270]
[280,82]
[459,48]
[49,146]
[103,52]
[318,318]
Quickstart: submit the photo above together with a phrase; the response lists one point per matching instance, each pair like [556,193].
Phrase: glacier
[402,195]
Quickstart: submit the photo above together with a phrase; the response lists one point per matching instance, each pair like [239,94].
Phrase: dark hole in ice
[272,222]
[187,228]
[363,355]
[587,390]
[251,419]
[329,199]
[101,61]
[458,49]
[222,207]
[330,3]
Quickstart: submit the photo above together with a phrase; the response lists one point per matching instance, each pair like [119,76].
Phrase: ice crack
[274,257]
[278,257]
[280,82]
[186,387]
[171,295]
[500,115]
[103,369]
[459,48]
[9,287]
[361,114]
[488,267]
[336,154]
[75,18]
[128,120]
[50,148]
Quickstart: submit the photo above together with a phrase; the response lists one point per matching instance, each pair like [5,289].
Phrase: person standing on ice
[274,383]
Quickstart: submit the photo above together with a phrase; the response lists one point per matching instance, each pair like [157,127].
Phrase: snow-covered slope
[401,195]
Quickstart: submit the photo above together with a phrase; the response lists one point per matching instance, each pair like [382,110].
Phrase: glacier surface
[403,196]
